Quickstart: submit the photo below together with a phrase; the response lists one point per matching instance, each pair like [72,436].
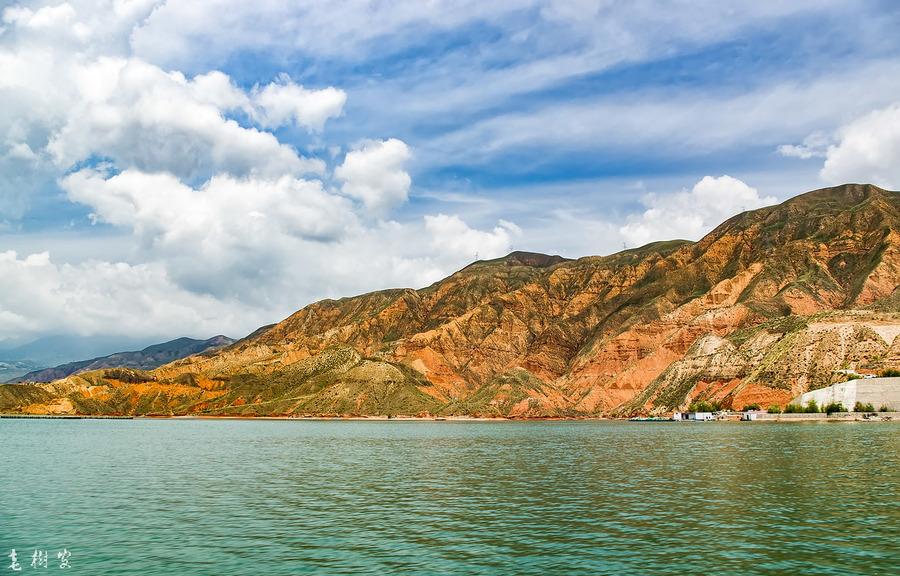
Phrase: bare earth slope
[764,307]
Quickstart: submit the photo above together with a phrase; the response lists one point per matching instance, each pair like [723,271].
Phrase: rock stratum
[768,305]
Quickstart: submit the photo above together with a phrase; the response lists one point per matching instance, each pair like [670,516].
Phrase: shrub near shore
[834,407]
[811,408]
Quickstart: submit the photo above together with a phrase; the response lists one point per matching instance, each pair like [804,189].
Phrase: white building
[700,416]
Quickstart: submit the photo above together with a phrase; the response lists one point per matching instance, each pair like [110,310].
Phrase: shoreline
[302,418]
[731,418]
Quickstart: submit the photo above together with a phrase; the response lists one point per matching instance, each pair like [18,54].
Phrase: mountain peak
[522,258]
[820,214]
[842,195]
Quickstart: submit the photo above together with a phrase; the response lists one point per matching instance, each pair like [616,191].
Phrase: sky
[196,167]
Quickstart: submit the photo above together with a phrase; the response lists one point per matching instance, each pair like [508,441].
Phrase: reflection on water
[290,497]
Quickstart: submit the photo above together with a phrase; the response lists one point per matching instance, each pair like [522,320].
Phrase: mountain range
[10,370]
[150,357]
[18,359]
[771,303]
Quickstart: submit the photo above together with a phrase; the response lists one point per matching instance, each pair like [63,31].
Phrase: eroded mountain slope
[532,335]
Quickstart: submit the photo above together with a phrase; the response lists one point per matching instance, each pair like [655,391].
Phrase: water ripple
[243,497]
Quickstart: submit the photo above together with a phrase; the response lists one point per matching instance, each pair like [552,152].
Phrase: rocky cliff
[767,305]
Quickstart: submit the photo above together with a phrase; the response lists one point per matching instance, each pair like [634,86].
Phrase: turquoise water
[293,497]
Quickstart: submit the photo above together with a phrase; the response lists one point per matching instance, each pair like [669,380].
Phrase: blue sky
[189,168]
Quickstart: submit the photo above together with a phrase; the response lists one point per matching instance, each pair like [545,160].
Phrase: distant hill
[772,303]
[60,349]
[12,369]
[146,359]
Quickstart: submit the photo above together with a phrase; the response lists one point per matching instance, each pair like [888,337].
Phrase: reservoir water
[351,497]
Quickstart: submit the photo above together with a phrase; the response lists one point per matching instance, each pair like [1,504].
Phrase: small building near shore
[700,416]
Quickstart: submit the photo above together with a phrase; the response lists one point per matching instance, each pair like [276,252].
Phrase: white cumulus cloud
[39,296]
[71,91]
[242,230]
[867,151]
[282,102]
[45,17]
[274,244]
[690,214]
[226,210]
[451,234]
[142,117]
[374,174]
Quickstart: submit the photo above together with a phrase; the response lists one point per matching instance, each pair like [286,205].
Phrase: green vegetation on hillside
[501,395]
[704,406]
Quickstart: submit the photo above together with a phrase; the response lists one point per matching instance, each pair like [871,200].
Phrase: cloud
[216,88]
[142,117]
[672,122]
[602,33]
[244,228]
[489,94]
[282,102]
[21,169]
[451,234]
[274,244]
[374,174]
[46,17]
[59,20]
[74,99]
[867,150]
[690,214]
[814,146]
[340,28]
[39,297]
[226,210]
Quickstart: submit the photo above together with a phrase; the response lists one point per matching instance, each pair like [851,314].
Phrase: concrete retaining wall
[821,416]
[875,391]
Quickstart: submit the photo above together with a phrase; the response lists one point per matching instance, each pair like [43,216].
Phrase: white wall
[875,391]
